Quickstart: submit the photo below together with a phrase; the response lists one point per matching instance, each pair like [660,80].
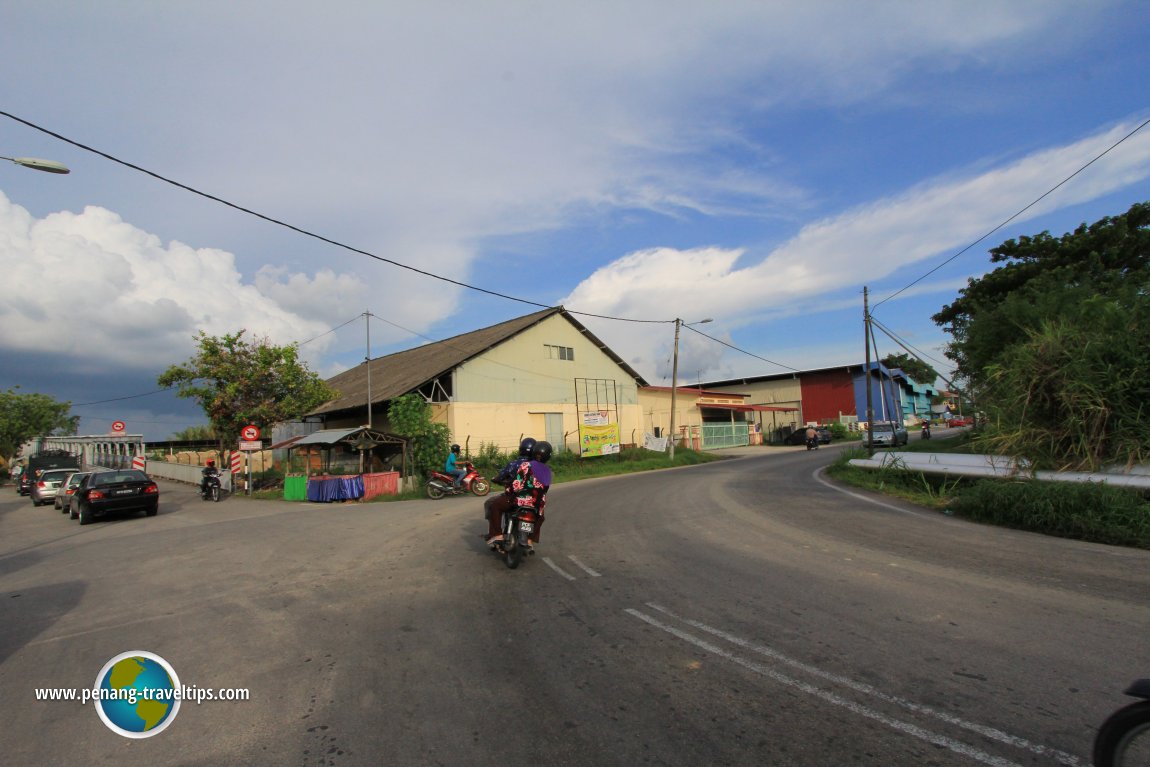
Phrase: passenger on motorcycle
[495,505]
[210,470]
[528,488]
[454,467]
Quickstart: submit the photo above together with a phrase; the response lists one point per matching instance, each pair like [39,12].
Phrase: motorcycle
[441,484]
[517,526]
[1124,738]
[926,431]
[812,443]
[211,489]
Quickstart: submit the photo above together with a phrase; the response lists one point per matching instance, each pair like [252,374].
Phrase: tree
[1039,277]
[410,416]
[240,382]
[201,433]
[916,369]
[26,416]
[1053,343]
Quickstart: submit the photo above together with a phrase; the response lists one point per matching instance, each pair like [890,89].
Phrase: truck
[46,459]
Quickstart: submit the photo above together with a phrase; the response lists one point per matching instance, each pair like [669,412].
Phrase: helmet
[542,452]
[211,464]
[455,448]
[526,447]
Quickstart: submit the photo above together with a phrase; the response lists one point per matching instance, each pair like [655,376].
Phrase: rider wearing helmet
[528,488]
[210,470]
[495,505]
[454,467]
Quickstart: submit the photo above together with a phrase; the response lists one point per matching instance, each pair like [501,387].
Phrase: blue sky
[756,163]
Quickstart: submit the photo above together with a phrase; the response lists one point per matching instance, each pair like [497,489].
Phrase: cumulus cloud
[862,245]
[93,287]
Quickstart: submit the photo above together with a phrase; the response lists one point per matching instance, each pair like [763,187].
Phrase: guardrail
[996,466]
[182,472]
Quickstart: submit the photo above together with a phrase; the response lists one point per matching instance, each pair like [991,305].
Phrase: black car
[104,492]
[799,436]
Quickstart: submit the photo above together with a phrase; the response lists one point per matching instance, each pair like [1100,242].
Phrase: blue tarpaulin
[335,489]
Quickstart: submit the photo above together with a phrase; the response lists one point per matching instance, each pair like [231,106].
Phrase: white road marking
[817,472]
[558,569]
[583,567]
[905,727]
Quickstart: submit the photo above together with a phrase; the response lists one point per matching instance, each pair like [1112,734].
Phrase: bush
[1084,511]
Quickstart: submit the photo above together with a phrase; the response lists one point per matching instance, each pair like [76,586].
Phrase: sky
[757,164]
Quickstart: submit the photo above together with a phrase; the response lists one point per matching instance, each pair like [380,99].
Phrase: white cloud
[919,227]
[91,286]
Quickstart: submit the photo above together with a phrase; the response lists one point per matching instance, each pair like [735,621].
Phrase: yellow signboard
[598,440]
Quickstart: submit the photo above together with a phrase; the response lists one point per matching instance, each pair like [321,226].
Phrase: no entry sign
[250,433]
[118,426]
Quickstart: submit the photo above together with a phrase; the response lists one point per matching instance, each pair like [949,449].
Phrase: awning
[327,436]
[750,408]
[289,442]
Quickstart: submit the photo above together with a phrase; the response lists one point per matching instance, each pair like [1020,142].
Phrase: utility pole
[866,372]
[674,386]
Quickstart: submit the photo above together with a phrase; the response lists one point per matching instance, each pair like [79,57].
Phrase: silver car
[66,488]
[43,488]
[888,435]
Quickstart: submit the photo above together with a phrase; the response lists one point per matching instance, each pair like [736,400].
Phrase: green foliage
[1053,343]
[1091,511]
[410,416]
[238,382]
[838,430]
[24,417]
[1087,511]
[919,371]
[1072,395]
[201,433]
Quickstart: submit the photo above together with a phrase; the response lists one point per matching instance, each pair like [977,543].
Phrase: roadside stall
[344,464]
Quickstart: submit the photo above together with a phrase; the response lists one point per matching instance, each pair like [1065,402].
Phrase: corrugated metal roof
[397,374]
[326,436]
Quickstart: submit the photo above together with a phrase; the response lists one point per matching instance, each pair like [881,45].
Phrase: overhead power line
[1039,199]
[742,351]
[307,232]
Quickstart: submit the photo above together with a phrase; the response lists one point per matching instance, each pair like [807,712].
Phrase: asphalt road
[744,612]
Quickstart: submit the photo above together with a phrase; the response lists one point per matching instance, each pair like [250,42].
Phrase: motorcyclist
[926,429]
[812,437]
[455,468]
[210,470]
[528,489]
[496,504]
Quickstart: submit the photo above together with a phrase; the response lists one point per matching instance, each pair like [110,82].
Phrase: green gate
[716,435]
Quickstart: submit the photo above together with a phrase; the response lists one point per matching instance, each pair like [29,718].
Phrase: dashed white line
[829,697]
[989,732]
[583,567]
[558,569]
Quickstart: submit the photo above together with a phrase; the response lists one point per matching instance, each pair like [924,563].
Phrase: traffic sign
[139,462]
[251,445]
[250,433]
[118,426]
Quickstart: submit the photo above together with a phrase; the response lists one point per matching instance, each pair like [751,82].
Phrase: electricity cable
[1041,197]
[306,232]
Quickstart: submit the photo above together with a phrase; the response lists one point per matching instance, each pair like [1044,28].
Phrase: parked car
[43,490]
[67,488]
[824,435]
[888,434]
[106,492]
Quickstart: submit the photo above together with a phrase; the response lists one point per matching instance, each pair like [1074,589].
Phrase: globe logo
[137,694]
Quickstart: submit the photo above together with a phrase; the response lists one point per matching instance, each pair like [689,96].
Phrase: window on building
[560,352]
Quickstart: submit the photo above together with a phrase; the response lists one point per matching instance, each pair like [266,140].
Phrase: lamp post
[675,376]
[48,166]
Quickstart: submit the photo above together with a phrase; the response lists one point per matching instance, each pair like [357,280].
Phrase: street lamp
[675,376]
[48,166]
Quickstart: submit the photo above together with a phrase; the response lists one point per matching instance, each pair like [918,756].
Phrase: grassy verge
[567,467]
[1089,512]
